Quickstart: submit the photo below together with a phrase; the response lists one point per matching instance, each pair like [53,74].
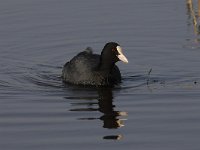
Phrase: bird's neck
[106,66]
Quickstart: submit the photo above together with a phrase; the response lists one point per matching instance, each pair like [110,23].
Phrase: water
[154,109]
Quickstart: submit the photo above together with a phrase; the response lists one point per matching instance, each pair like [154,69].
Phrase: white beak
[121,55]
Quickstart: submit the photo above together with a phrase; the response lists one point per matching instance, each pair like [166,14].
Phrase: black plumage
[87,68]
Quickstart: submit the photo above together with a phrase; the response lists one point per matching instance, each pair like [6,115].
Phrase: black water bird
[87,68]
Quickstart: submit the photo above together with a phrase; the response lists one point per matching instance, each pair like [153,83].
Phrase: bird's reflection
[113,137]
[103,103]
[110,116]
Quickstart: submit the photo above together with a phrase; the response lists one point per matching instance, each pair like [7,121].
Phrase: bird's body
[87,68]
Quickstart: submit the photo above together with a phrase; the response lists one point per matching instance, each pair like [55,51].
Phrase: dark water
[157,110]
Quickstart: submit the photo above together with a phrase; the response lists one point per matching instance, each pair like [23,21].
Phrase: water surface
[155,107]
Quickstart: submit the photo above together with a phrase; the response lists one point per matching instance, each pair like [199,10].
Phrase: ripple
[43,76]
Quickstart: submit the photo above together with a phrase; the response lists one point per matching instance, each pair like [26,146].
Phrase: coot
[87,68]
